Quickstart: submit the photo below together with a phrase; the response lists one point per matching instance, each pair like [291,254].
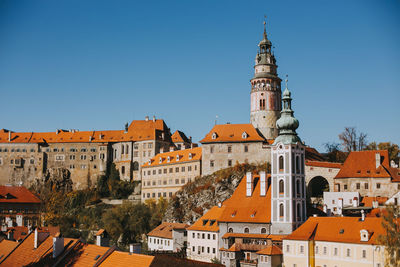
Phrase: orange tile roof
[17,194]
[261,236]
[118,258]
[179,137]
[209,221]
[6,246]
[313,154]
[253,209]
[162,158]
[324,164]
[19,232]
[338,229]
[25,254]
[165,229]
[84,255]
[138,130]
[270,250]
[367,201]
[361,164]
[276,237]
[232,133]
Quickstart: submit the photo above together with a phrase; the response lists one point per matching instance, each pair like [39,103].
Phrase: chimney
[249,184]
[146,118]
[58,245]
[130,248]
[57,131]
[90,138]
[39,237]
[154,118]
[325,208]
[161,150]
[10,234]
[171,148]
[375,204]
[134,248]
[190,139]
[100,136]
[355,202]
[377,160]
[262,183]
[362,215]
[340,206]
[9,136]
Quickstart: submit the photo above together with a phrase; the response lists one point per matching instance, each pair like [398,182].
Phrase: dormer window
[364,235]
[160,161]
[177,158]
[190,155]
[205,222]
[244,135]
[214,135]
[149,161]
[168,159]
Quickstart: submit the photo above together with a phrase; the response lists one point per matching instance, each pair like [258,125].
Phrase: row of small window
[170,170]
[164,182]
[83,166]
[325,251]
[17,161]
[16,150]
[204,236]
[82,157]
[297,164]
[229,149]
[159,194]
[202,249]
[158,241]
[83,149]
[246,230]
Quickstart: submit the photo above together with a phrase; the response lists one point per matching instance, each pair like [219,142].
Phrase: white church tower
[288,199]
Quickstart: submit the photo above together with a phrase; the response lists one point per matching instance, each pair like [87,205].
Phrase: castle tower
[288,187]
[265,91]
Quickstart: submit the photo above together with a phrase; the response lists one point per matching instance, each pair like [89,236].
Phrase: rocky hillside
[197,197]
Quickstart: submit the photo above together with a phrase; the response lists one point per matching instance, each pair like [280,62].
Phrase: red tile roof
[270,250]
[362,164]
[19,232]
[17,194]
[367,201]
[164,230]
[232,133]
[138,130]
[84,255]
[324,164]
[313,154]
[338,229]
[179,137]
[184,156]
[6,246]
[209,221]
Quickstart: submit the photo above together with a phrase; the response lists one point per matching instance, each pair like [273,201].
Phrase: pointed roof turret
[287,123]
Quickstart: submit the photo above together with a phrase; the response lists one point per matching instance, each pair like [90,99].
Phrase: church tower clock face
[265,99]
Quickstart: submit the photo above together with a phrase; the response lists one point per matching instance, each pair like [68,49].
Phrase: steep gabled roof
[179,137]
[184,156]
[233,133]
[270,250]
[17,194]
[362,164]
[252,209]
[6,246]
[164,230]
[84,255]
[338,229]
[209,221]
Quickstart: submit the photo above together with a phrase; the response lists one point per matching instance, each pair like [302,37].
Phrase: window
[83,166]
[72,157]
[297,164]
[203,236]
[208,249]
[263,230]
[214,237]
[182,180]
[136,154]
[281,187]
[364,253]
[281,210]
[298,188]
[183,169]
[246,230]
[83,149]
[154,172]
[170,194]
[177,169]
[189,168]
[193,235]
[211,163]
[208,236]
[171,170]
[301,248]
[325,250]
[213,251]
[287,248]
[345,187]
[93,149]
[365,185]
[83,157]
[230,230]
[335,251]
[281,163]
[176,181]
[246,148]
[123,170]
[348,253]
[229,149]
[211,149]
[316,249]
[150,145]
[357,185]
[229,163]
[165,170]
[378,185]
[32,161]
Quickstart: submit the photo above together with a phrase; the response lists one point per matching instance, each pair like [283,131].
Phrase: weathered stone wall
[371,187]
[217,154]
[325,172]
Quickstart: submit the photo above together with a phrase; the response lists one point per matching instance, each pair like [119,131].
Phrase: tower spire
[265,30]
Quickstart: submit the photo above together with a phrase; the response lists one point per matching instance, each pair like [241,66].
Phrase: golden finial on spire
[265,22]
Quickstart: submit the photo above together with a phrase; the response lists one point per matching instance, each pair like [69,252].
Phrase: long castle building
[83,155]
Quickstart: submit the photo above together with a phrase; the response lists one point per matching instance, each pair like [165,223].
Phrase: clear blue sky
[99,64]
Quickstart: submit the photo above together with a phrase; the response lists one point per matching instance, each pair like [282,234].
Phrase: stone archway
[317,186]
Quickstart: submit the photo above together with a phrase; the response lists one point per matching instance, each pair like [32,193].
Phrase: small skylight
[341,231]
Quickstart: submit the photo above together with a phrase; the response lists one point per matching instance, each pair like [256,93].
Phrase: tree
[391,240]
[351,140]
[127,223]
[334,154]
[157,210]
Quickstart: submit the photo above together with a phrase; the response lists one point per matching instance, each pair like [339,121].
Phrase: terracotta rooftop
[179,137]
[118,258]
[313,155]
[209,221]
[6,246]
[17,194]
[233,133]
[324,164]
[84,255]
[270,250]
[367,201]
[338,229]
[164,230]
[138,130]
[361,164]
[186,155]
